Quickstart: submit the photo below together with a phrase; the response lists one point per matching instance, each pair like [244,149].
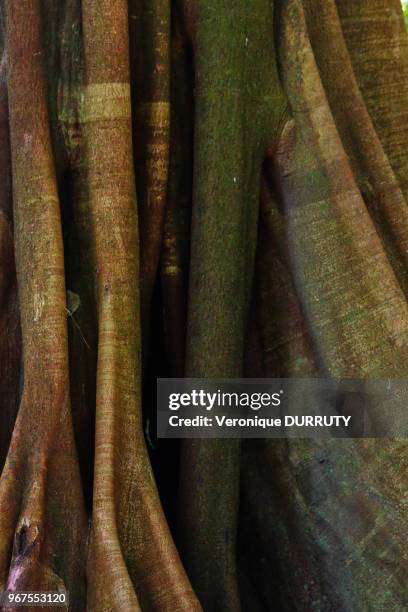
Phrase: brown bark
[176,234]
[331,510]
[132,561]
[378,45]
[42,524]
[259,151]
[10,337]
[234,126]
[150,34]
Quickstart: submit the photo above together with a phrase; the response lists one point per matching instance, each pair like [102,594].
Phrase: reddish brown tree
[205,189]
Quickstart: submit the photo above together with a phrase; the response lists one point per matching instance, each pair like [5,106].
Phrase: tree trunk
[204,189]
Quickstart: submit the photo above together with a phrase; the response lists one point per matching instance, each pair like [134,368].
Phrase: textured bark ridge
[210,189]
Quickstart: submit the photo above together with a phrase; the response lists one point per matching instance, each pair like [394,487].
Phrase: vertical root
[133,561]
[48,515]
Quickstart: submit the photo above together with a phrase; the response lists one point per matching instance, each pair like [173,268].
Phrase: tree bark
[204,189]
